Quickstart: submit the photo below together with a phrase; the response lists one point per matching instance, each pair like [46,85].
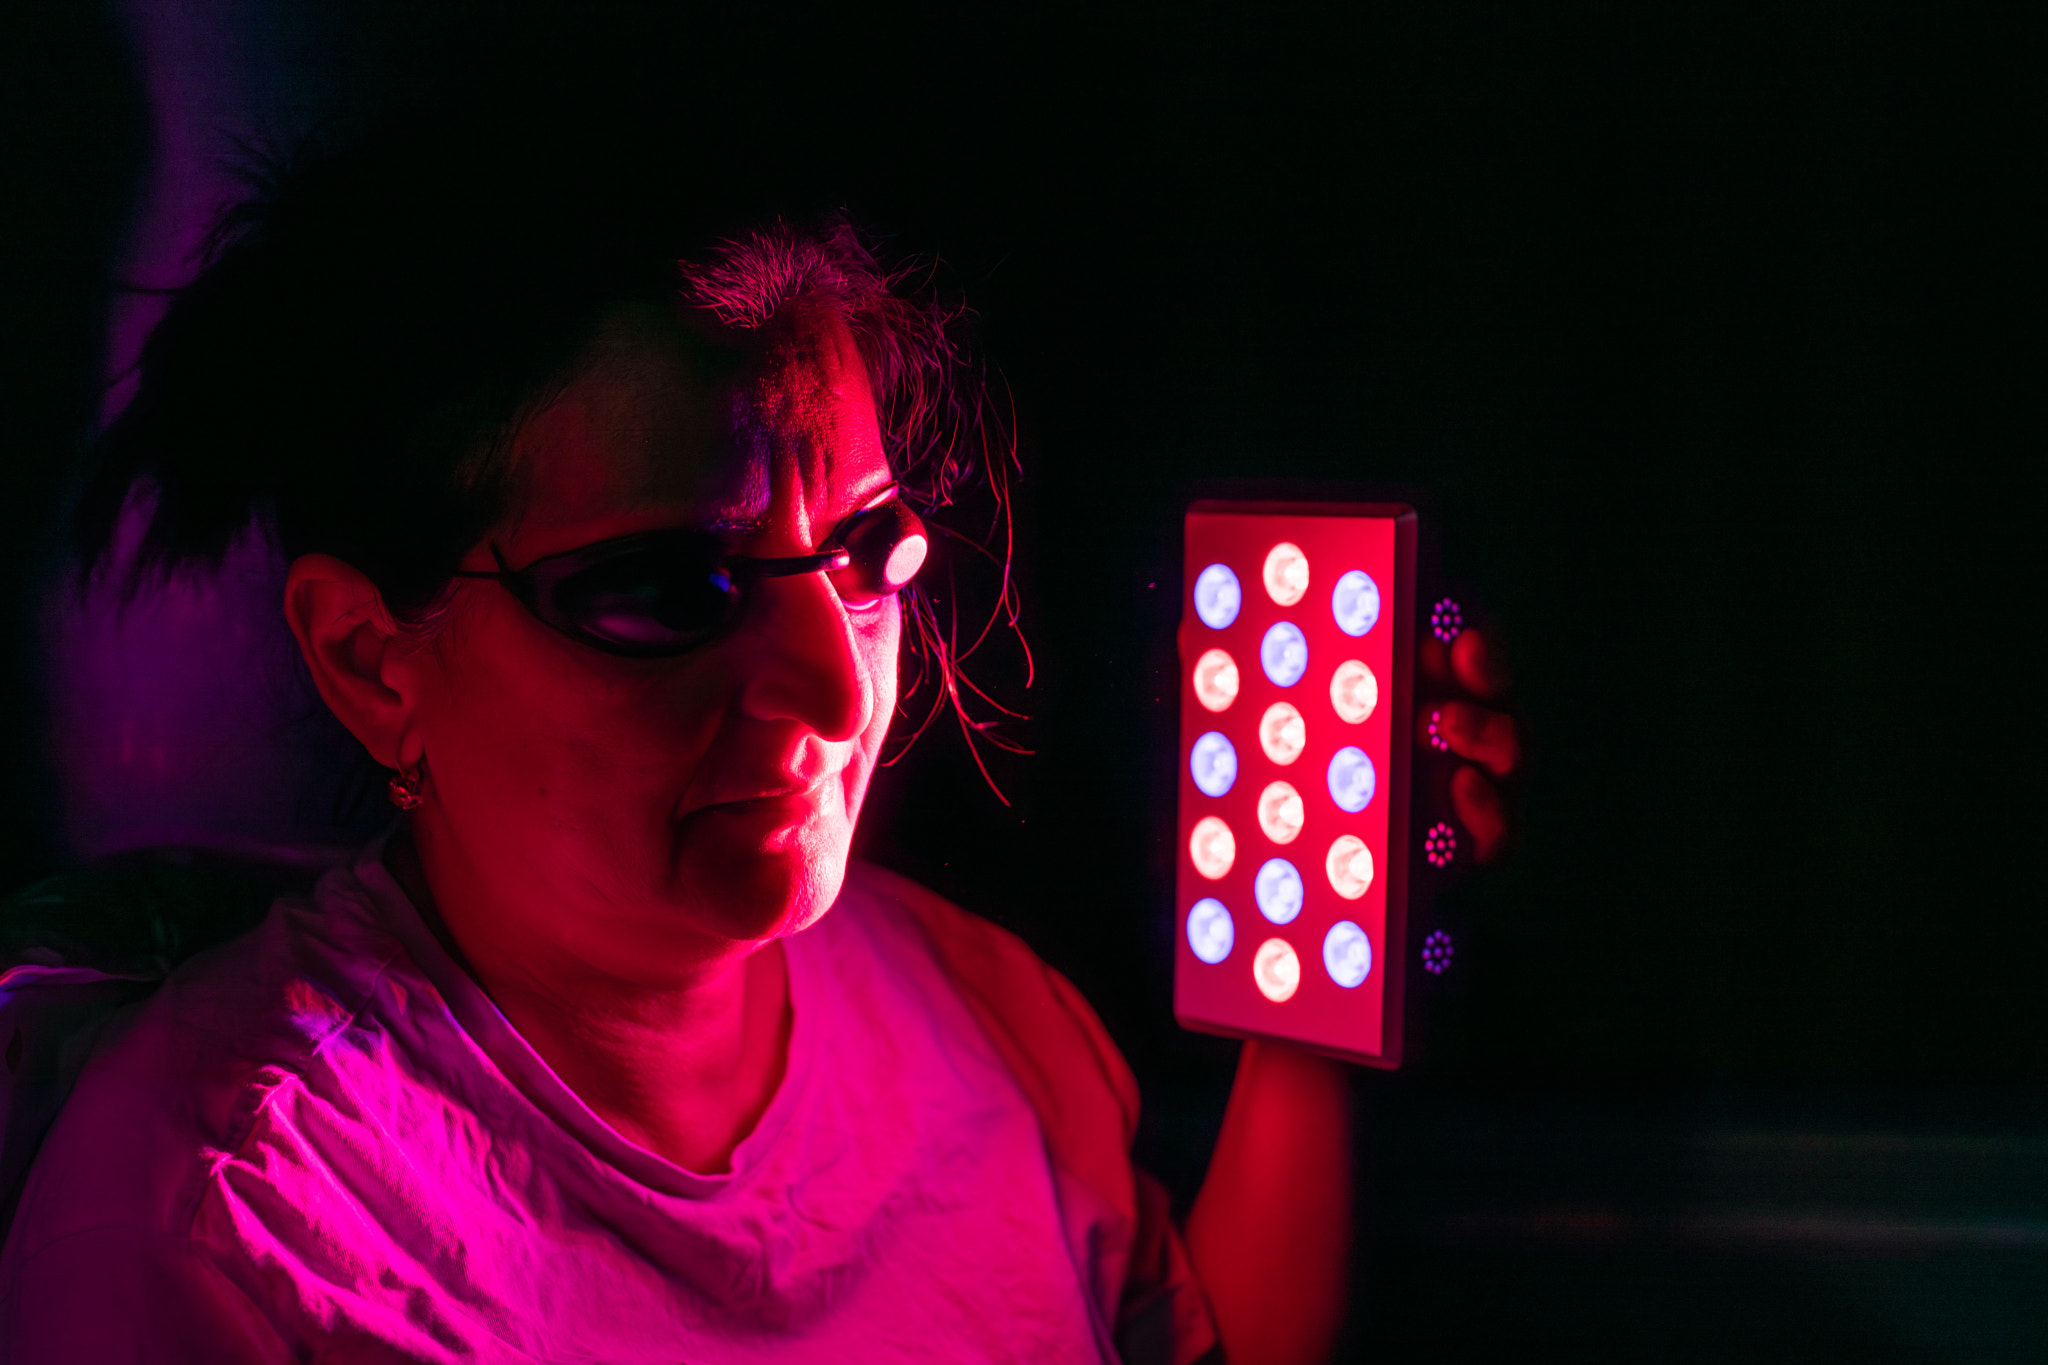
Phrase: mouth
[790,800]
[778,822]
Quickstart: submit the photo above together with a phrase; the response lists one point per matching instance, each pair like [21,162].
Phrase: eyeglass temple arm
[504,573]
[829,560]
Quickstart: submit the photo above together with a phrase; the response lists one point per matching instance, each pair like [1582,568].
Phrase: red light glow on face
[1354,692]
[1212,848]
[1349,865]
[1282,733]
[1216,680]
[1277,970]
[1281,813]
[1286,573]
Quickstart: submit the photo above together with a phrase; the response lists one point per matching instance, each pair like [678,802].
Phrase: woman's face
[641,813]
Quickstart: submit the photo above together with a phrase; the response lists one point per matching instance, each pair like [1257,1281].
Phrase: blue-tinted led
[1284,653]
[1352,779]
[1347,953]
[1278,890]
[1214,764]
[1356,603]
[1217,596]
[1210,932]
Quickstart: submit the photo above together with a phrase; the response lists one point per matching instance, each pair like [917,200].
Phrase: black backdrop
[1708,333]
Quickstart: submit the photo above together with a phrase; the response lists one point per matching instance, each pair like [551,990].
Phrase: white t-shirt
[322,1141]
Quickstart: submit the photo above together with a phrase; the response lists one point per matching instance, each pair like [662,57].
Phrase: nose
[802,660]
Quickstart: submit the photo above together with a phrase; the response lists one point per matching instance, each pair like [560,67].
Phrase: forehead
[665,421]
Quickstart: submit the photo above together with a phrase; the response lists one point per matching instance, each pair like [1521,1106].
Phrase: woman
[608,1053]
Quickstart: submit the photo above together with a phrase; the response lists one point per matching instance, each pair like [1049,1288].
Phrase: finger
[1433,659]
[1480,810]
[1478,664]
[1468,730]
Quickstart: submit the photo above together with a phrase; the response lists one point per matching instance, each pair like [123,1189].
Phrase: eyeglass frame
[727,572]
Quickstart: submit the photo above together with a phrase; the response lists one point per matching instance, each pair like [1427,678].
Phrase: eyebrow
[734,523]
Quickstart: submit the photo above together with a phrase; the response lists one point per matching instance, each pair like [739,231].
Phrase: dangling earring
[404,790]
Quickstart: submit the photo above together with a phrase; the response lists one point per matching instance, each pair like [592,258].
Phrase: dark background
[1710,333]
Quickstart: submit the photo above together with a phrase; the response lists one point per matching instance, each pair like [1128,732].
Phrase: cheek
[540,735]
[877,644]
[880,645]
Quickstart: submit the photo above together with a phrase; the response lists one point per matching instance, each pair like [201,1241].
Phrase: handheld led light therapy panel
[1297,652]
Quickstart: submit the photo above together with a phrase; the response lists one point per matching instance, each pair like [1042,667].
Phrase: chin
[762,894]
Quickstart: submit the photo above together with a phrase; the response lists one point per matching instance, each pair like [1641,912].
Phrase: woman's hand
[1453,680]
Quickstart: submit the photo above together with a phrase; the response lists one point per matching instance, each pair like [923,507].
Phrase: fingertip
[1433,659]
[1480,810]
[1468,730]
[1478,664]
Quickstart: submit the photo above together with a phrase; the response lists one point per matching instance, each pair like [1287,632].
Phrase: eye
[644,601]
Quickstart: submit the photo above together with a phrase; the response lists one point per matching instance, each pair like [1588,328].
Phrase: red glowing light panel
[1291,838]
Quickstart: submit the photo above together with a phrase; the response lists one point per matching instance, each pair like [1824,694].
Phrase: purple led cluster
[1445,620]
[1436,738]
[1436,953]
[1440,845]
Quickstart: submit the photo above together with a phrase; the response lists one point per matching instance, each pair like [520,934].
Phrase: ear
[351,642]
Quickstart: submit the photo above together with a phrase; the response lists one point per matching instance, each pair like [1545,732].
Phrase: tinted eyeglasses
[662,593]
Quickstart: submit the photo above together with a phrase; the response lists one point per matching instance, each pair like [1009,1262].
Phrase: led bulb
[1282,733]
[1352,779]
[1347,954]
[1216,680]
[1213,848]
[1355,603]
[1349,864]
[1281,812]
[1278,890]
[1353,691]
[1286,573]
[1213,761]
[1283,653]
[1277,970]
[1217,596]
[1210,932]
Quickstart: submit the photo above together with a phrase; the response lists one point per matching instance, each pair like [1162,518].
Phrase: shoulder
[173,1305]
[180,1078]
[1046,1033]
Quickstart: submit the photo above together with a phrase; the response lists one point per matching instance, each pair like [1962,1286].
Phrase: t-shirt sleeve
[1087,1104]
[125,1296]
[1162,1316]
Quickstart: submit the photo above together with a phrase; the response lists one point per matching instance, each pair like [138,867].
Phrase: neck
[683,1066]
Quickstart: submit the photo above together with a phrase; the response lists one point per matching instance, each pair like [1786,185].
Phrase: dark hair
[372,324]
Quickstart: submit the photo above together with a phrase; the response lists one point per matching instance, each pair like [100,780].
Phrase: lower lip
[765,816]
